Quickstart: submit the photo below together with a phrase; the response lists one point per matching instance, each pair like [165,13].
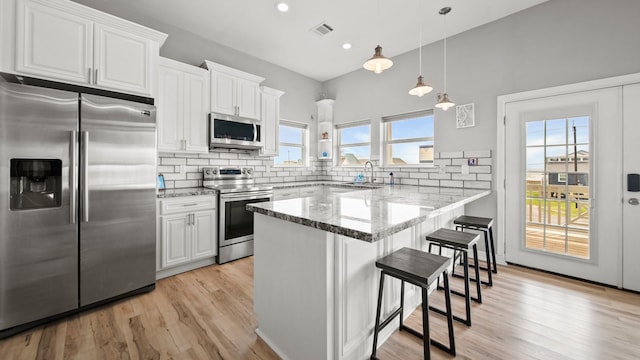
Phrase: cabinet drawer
[187,204]
[310,191]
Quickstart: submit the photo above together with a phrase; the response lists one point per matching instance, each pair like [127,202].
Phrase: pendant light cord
[445,52]
[420,40]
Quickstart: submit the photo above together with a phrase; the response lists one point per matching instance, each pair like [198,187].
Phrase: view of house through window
[408,138]
[557,188]
[292,149]
[354,143]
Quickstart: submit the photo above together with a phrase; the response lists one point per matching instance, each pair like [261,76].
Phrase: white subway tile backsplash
[192,161]
[451,154]
[478,154]
[441,162]
[173,161]
[438,176]
[451,183]
[228,156]
[423,182]
[477,184]
[480,169]
[479,177]
[463,177]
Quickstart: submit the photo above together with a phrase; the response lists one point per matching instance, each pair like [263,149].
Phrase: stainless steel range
[236,188]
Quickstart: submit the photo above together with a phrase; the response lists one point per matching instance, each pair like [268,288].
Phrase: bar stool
[484,225]
[421,269]
[460,243]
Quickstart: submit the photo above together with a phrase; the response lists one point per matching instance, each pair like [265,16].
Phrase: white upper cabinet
[122,61]
[40,29]
[66,41]
[270,114]
[234,92]
[183,105]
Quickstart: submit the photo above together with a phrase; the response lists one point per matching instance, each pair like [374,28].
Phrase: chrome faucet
[371,178]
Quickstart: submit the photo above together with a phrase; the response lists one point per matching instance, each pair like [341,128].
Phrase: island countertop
[369,214]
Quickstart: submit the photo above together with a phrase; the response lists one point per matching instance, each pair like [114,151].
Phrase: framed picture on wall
[465,116]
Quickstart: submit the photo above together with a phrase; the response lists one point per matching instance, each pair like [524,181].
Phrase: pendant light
[443,98]
[421,88]
[378,63]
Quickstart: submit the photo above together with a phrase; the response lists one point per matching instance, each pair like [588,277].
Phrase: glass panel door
[557,186]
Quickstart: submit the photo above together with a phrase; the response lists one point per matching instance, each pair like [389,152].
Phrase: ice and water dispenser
[35,183]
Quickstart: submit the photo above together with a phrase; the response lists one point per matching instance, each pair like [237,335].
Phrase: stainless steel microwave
[229,132]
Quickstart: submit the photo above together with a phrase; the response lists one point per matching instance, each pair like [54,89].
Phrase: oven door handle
[245,196]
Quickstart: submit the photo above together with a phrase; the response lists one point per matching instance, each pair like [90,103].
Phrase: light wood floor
[207,314]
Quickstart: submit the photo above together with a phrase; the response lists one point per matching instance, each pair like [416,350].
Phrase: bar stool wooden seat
[461,243]
[421,269]
[484,225]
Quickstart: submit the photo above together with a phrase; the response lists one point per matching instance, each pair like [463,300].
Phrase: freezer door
[38,233]
[117,197]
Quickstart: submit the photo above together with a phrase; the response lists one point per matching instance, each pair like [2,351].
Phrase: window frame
[304,148]
[339,144]
[385,141]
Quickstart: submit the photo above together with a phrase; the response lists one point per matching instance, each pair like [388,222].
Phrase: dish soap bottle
[391,180]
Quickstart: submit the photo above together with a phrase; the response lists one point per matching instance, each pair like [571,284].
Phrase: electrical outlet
[464,169]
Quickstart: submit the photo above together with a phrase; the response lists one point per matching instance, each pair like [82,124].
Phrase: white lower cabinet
[188,236]
[285,193]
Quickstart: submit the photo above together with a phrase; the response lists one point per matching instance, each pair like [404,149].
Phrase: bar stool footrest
[433,342]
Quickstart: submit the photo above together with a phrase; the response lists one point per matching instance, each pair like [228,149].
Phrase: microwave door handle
[255,132]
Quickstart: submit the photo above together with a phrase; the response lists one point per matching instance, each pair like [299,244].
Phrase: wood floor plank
[208,314]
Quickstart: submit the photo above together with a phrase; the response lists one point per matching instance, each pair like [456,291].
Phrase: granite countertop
[193,191]
[369,214]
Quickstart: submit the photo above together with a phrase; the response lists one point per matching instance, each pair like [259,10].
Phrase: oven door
[236,223]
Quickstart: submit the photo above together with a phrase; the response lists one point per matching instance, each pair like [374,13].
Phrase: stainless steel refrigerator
[77,200]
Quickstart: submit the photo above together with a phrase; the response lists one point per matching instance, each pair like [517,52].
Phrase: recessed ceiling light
[346,46]
[282,6]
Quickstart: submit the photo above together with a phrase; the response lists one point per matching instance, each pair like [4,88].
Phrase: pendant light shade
[444,102]
[421,88]
[378,63]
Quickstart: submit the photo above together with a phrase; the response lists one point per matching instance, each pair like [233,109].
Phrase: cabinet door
[310,191]
[204,234]
[196,108]
[170,109]
[286,193]
[270,124]
[175,240]
[122,61]
[223,93]
[53,44]
[248,99]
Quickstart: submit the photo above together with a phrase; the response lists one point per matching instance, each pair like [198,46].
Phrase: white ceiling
[256,28]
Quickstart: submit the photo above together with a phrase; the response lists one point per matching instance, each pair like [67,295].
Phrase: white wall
[554,43]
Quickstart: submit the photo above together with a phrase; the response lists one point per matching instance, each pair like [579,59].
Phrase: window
[354,143]
[292,148]
[408,138]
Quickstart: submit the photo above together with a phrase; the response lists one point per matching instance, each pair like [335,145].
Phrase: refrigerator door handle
[73,178]
[85,176]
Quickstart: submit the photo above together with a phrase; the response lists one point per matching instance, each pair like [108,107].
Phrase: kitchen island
[315,280]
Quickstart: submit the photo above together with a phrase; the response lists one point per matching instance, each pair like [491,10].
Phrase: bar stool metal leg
[493,251]
[375,328]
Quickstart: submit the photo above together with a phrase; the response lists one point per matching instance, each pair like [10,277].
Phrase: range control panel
[213,173]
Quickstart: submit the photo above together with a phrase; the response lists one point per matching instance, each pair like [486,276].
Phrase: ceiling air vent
[322,29]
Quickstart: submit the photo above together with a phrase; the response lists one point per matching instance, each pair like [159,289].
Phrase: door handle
[634,201]
[95,77]
[73,178]
[85,173]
